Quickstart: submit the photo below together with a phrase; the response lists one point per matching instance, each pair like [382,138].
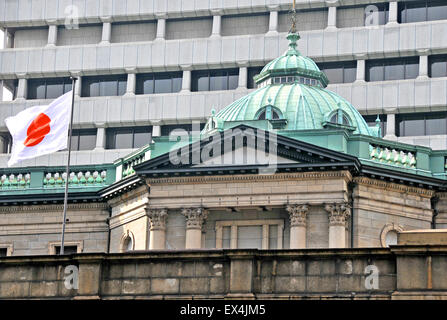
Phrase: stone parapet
[394,273]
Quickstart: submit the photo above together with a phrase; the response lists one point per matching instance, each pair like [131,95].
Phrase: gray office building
[147,67]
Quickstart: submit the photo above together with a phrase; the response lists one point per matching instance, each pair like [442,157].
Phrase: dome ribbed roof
[305,107]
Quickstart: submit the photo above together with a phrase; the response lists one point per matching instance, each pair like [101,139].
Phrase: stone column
[186,79]
[2,85]
[2,144]
[156,131]
[217,24]
[361,68]
[52,34]
[243,73]
[339,214]
[161,29]
[332,15]
[195,218]
[22,88]
[423,64]
[390,127]
[100,137]
[298,215]
[106,31]
[393,12]
[8,40]
[131,82]
[273,22]
[157,219]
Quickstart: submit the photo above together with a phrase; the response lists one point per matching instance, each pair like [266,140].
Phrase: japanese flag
[40,130]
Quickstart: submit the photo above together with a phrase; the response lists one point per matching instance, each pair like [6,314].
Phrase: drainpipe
[351,186]
[433,202]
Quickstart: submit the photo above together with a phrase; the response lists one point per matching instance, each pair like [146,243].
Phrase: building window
[309,19]
[48,88]
[6,140]
[416,11]
[11,87]
[422,124]
[371,122]
[67,249]
[159,83]
[70,247]
[259,234]
[388,235]
[111,85]
[187,128]
[211,80]
[253,71]
[128,138]
[83,139]
[243,24]
[392,69]
[339,72]
[437,66]
[188,28]
[360,16]
[6,250]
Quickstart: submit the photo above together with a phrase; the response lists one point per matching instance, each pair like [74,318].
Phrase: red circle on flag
[37,130]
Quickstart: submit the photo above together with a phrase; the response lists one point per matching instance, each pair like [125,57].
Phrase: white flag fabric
[40,130]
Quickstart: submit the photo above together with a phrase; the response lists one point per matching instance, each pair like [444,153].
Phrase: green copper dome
[291,94]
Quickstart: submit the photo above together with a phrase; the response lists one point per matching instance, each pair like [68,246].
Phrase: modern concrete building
[149,66]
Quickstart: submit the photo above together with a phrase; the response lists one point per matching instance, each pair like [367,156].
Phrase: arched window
[262,116]
[268,113]
[388,236]
[340,118]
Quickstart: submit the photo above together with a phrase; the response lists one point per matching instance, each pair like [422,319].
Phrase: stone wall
[379,204]
[34,229]
[311,274]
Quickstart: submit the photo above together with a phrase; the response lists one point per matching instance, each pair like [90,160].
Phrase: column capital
[195,217]
[338,213]
[157,218]
[297,214]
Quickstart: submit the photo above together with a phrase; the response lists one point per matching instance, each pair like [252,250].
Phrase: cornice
[252,177]
[394,186]
[54,207]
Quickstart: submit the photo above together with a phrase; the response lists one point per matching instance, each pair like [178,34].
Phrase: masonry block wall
[86,228]
[317,274]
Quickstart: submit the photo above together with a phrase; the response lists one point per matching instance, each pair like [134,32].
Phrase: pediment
[245,149]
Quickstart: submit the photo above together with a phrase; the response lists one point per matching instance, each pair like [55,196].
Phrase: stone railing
[15,181]
[35,178]
[125,166]
[81,179]
[389,155]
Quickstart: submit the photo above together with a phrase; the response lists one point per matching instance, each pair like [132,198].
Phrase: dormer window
[268,113]
[340,118]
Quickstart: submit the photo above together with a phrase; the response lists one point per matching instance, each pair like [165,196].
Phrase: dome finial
[293,19]
[293,36]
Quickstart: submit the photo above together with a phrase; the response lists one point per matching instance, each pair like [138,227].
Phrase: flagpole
[70,128]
